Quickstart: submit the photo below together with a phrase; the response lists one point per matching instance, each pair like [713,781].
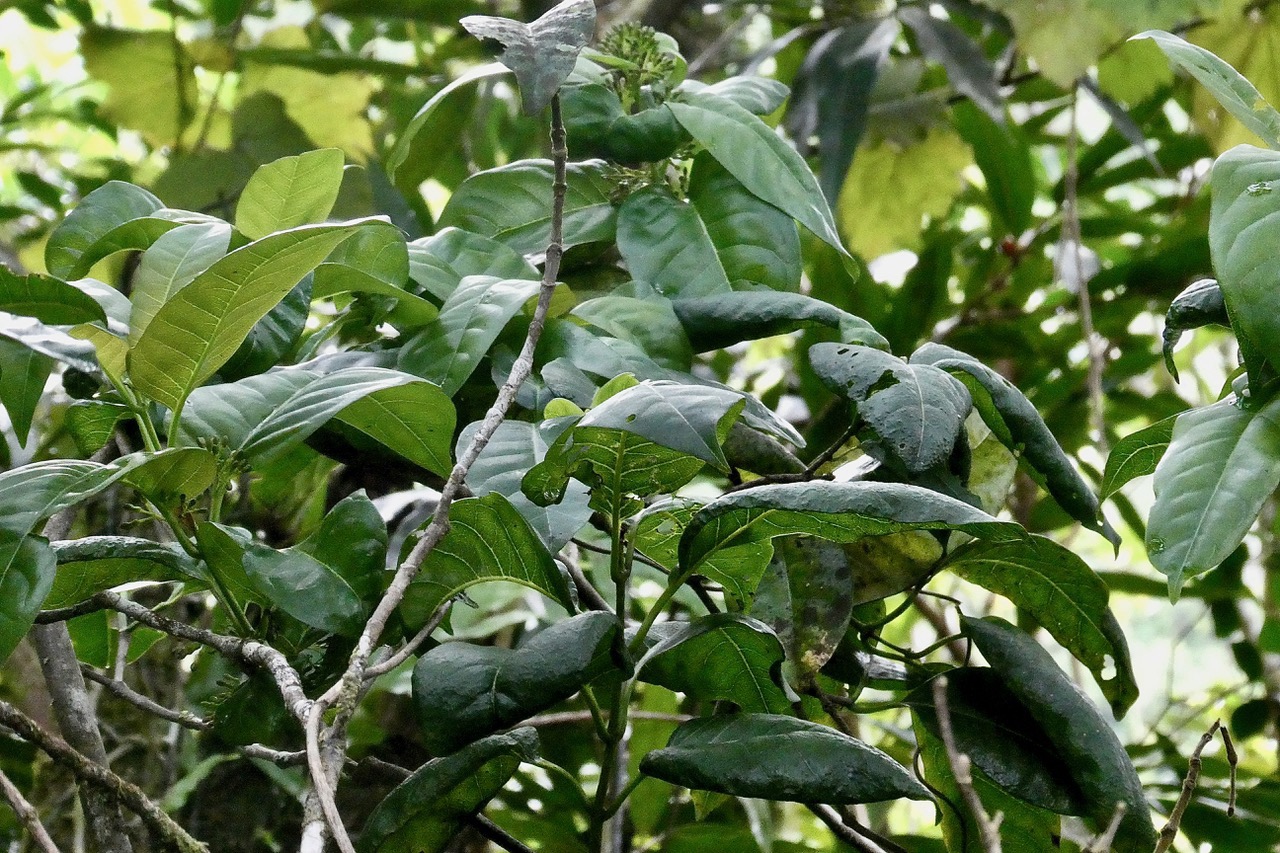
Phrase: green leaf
[692,419]
[488,540]
[806,596]
[289,192]
[1233,91]
[27,567]
[1222,465]
[1244,214]
[223,549]
[49,300]
[448,350]
[440,262]
[196,331]
[305,588]
[414,420]
[174,474]
[724,656]
[716,322]
[150,78]
[273,337]
[757,243]
[597,124]
[92,423]
[841,512]
[541,54]
[95,563]
[1015,421]
[1079,733]
[769,757]
[1056,588]
[352,540]
[1005,160]
[109,206]
[374,260]
[1002,738]
[663,242]
[764,164]
[424,812]
[757,95]
[918,411]
[968,69]
[23,374]
[463,692]
[171,263]
[1200,304]
[648,323]
[400,152]
[1136,455]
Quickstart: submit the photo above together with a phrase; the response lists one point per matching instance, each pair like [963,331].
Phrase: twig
[120,690]
[497,834]
[403,653]
[962,770]
[586,590]
[320,780]
[27,814]
[1170,830]
[62,614]
[1102,844]
[568,717]
[849,835]
[166,830]
[1229,747]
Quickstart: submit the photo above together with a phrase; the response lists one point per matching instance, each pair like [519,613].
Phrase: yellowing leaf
[1250,45]
[889,190]
[1063,37]
[151,85]
[1134,71]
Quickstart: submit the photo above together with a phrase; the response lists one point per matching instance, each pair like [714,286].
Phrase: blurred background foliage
[1013,175]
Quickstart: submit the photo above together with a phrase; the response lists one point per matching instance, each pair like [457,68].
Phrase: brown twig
[962,770]
[856,837]
[27,814]
[122,691]
[1170,830]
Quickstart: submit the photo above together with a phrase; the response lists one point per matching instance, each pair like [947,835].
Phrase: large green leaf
[1099,765]
[512,204]
[755,155]
[289,192]
[424,812]
[724,656]
[664,242]
[770,757]
[806,596]
[1056,588]
[310,591]
[174,474]
[448,349]
[273,337]
[150,77]
[1005,160]
[23,374]
[109,206]
[171,263]
[90,565]
[92,423]
[374,260]
[1136,455]
[648,323]
[49,300]
[1015,421]
[352,540]
[196,331]
[440,262]
[1242,222]
[405,141]
[715,322]
[842,512]
[598,125]
[414,420]
[1222,465]
[488,540]
[918,411]
[463,692]
[541,54]
[1233,91]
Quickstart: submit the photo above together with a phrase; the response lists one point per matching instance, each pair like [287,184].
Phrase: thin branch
[848,834]
[498,835]
[62,614]
[961,769]
[1229,747]
[166,830]
[1102,844]
[320,780]
[122,691]
[1170,830]
[403,653]
[27,814]
[586,590]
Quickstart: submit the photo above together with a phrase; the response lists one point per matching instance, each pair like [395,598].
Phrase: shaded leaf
[440,262]
[95,563]
[403,143]
[968,68]
[374,260]
[49,300]
[305,588]
[664,243]
[352,540]
[414,420]
[1005,160]
[806,596]
[27,567]
[179,472]
[23,374]
[715,322]
[1200,304]
[109,206]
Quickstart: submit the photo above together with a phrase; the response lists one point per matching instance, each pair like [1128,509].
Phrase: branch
[27,814]
[383,667]
[857,838]
[122,691]
[1170,830]
[166,830]
[1102,844]
[961,769]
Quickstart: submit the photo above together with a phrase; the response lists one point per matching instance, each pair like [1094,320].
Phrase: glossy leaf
[488,540]
[771,757]
[1099,765]
[1200,304]
[425,811]
[352,540]
[405,141]
[23,374]
[173,474]
[1136,455]
[917,410]
[305,588]
[715,322]
[806,596]
[512,204]
[195,332]
[1222,465]
[463,692]
[171,263]
[664,243]
[289,192]
[374,260]
[764,164]
[841,512]
[109,206]
[440,262]
[95,563]
[1055,587]
[49,300]
[692,419]
[724,656]
[597,124]
[541,54]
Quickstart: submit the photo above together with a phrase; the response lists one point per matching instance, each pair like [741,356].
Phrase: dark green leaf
[463,692]
[968,68]
[374,260]
[1200,304]
[597,124]
[289,192]
[111,205]
[23,374]
[95,563]
[49,300]
[770,757]
[403,144]
[648,323]
[758,95]
[272,337]
[305,588]
[414,420]
[1079,733]
[1005,160]
[664,243]
[352,540]
[715,322]
[440,262]
[806,596]
[27,567]
[1136,455]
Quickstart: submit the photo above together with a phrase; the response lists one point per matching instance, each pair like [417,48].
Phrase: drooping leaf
[196,331]
[968,69]
[425,811]
[352,540]
[769,757]
[512,204]
[768,167]
[1136,455]
[1200,304]
[171,263]
[724,656]
[374,260]
[1099,765]
[806,596]
[665,243]
[917,410]
[715,322]
[308,590]
[1055,587]
[95,563]
[841,512]
[1005,160]
[650,324]
[488,540]
[1222,464]
[49,300]
[23,374]
[463,692]
[109,206]
[403,143]
[598,125]
[289,192]
[541,54]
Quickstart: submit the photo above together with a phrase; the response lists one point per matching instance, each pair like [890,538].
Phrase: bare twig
[586,590]
[27,814]
[962,770]
[1170,830]
[498,835]
[126,693]
[856,837]
[320,779]
[402,654]
[1229,747]
[62,614]
[1102,843]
